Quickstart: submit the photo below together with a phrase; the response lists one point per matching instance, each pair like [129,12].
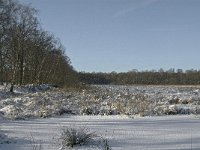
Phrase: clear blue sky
[121,35]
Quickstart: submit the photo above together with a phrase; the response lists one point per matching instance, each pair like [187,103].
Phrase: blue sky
[121,35]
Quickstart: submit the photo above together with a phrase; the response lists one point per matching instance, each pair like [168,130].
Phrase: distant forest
[153,77]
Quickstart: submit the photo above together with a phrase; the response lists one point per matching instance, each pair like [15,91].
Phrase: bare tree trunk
[40,70]
[12,88]
[21,67]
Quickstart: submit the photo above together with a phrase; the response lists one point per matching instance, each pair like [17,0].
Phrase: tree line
[153,77]
[29,54]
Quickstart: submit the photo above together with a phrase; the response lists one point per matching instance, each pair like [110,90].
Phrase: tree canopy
[153,77]
[29,54]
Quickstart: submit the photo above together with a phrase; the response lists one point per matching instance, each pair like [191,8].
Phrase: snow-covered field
[33,115]
[123,133]
[38,101]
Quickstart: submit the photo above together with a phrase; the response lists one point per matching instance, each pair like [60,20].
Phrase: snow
[37,101]
[35,115]
[123,133]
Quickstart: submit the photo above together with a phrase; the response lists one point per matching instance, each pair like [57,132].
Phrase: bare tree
[29,54]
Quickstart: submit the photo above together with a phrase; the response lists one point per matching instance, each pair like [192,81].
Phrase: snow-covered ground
[22,129]
[37,101]
[123,133]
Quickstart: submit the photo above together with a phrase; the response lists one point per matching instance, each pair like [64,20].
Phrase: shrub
[72,137]
[87,111]
[3,138]
[105,144]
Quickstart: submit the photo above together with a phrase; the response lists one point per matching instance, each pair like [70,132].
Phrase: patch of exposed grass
[74,137]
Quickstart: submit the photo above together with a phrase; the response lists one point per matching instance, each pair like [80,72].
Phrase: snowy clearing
[162,127]
[123,133]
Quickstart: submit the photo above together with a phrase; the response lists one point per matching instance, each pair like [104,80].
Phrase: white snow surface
[123,133]
[153,132]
